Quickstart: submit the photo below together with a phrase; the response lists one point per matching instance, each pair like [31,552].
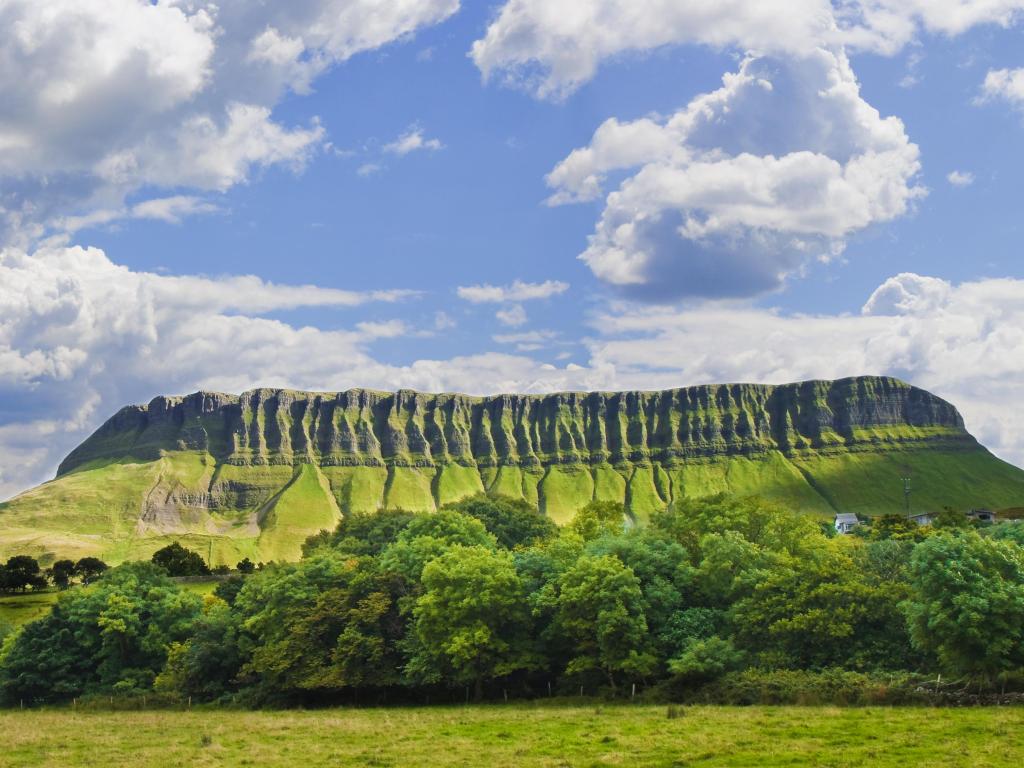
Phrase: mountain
[255,474]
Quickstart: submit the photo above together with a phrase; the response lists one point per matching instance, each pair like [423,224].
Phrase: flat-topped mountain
[255,474]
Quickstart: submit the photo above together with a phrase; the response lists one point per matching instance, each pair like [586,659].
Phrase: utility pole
[906,495]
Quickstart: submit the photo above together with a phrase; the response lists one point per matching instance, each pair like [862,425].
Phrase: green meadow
[21,609]
[517,735]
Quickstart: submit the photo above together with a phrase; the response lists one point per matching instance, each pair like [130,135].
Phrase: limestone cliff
[367,428]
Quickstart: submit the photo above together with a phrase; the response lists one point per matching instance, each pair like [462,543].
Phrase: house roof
[846,517]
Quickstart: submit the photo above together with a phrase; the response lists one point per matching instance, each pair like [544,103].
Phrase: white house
[846,522]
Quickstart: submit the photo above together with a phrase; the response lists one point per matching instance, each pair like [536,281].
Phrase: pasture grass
[21,609]
[519,735]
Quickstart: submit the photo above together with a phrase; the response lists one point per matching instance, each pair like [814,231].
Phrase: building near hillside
[846,522]
[982,515]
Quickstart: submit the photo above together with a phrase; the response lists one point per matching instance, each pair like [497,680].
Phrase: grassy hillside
[16,610]
[254,475]
[518,735]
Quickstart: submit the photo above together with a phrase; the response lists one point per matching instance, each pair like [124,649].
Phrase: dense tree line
[487,594]
[23,573]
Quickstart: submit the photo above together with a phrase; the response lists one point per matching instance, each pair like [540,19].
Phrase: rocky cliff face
[376,429]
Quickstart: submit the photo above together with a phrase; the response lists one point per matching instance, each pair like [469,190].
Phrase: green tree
[89,569]
[600,611]
[967,603]
[61,573]
[21,573]
[364,533]
[771,527]
[950,519]
[1007,531]
[228,589]
[178,561]
[898,527]
[206,664]
[112,636]
[705,659]
[599,518]
[730,567]
[513,522]
[245,566]
[325,624]
[824,611]
[471,623]
[666,577]
[430,536]
[888,560]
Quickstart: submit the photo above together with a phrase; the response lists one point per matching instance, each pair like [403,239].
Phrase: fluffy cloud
[1006,85]
[551,48]
[169,209]
[960,178]
[517,291]
[528,341]
[512,316]
[745,185]
[887,26]
[412,141]
[100,98]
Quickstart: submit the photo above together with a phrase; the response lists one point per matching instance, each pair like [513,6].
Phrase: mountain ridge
[531,429]
[255,474]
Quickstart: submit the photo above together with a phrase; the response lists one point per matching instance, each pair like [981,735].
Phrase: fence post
[633,694]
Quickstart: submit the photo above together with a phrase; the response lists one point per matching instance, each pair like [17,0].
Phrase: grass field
[21,609]
[519,735]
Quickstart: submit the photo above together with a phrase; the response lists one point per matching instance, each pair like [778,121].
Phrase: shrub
[805,687]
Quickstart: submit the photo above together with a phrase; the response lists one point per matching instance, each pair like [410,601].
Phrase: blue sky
[323,177]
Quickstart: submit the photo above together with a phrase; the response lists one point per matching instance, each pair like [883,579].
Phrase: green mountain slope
[253,475]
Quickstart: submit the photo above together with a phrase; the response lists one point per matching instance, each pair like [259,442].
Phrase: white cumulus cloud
[412,140]
[960,178]
[552,48]
[746,184]
[512,316]
[517,291]
[1006,85]
[100,98]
